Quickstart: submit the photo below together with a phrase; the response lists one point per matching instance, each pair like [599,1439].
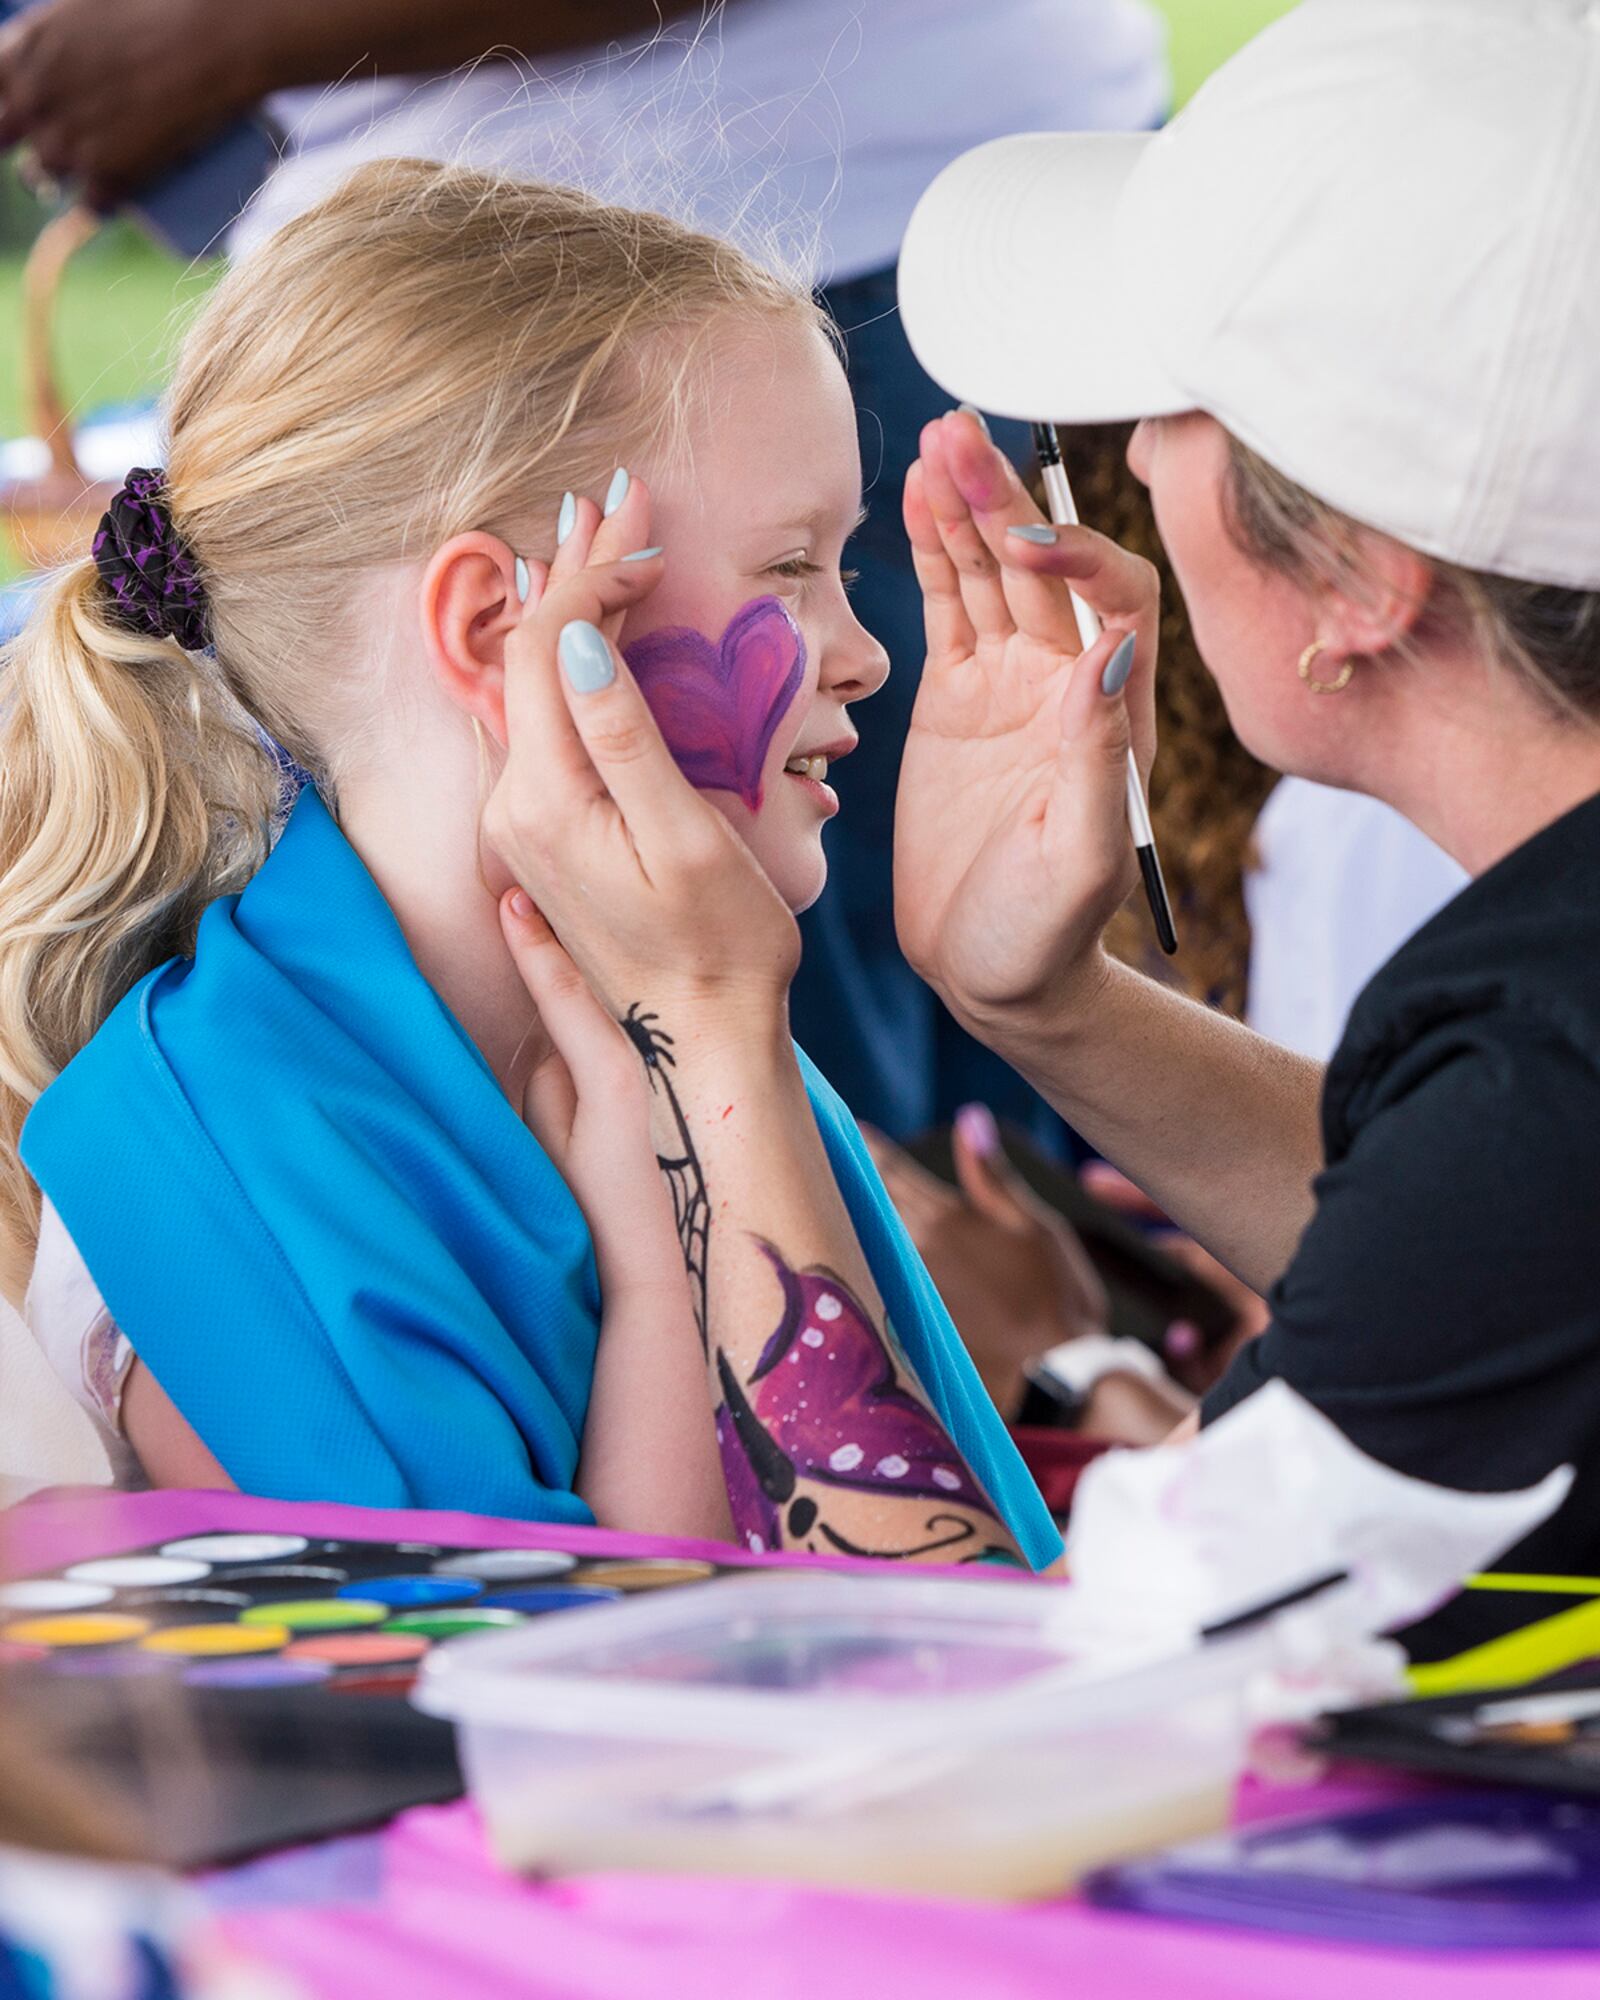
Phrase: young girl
[309,1109]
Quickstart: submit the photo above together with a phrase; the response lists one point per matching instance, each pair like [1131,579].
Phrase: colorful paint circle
[208,1642]
[398,1681]
[236,1548]
[445,1623]
[287,1579]
[508,1565]
[178,1603]
[316,1614]
[21,1656]
[79,1628]
[412,1592]
[112,1665]
[537,1599]
[361,1649]
[647,1572]
[52,1593]
[132,1572]
[273,1671]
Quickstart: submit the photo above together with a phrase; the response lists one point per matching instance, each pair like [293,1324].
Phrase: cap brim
[1019,288]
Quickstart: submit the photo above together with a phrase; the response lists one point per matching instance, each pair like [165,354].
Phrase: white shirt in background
[810,124]
[1342,882]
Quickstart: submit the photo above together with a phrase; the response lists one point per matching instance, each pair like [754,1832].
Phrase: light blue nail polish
[1035,531]
[524,581]
[585,657]
[1118,667]
[617,491]
[642,555]
[567,519]
[970,410]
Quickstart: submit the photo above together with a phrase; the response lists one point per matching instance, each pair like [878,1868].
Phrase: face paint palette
[238,1641]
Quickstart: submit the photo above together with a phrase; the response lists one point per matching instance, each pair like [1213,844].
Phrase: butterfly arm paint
[828,1441]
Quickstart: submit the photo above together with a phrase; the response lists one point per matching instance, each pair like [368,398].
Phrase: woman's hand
[658,901]
[586,1099]
[1010,1269]
[1012,848]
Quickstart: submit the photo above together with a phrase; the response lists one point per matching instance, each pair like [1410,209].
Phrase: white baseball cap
[1370,247]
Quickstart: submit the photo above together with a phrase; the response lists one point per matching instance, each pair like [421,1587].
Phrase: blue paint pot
[552,1597]
[410,1592]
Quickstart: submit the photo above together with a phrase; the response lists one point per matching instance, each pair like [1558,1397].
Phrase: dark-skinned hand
[104,97]
[1009,1268]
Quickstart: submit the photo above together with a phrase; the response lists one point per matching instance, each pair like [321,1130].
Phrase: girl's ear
[470,602]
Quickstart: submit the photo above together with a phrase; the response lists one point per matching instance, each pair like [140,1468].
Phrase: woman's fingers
[1086,823]
[581,1047]
[946,624]
[1107,1184]
[987,482]
[976,566]
[549,778]
[986,1177]
[665,816]
[920,1197]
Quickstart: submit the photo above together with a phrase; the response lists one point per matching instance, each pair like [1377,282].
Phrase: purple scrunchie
[146,565]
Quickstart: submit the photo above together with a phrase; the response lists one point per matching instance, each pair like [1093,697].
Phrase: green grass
[1204,33]
[117,320]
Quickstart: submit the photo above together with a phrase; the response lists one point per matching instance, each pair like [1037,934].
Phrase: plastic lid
[775,1659]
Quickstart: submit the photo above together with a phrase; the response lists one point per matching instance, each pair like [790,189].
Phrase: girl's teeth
[808,767]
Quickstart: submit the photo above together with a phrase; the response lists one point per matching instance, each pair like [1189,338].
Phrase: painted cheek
[718,702]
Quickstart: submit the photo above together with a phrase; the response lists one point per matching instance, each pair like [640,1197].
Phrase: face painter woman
[1353,294]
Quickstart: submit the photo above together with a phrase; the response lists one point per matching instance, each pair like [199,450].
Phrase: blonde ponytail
[430,350]
[133,790]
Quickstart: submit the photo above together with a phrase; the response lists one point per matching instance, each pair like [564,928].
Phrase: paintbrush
[1065,515]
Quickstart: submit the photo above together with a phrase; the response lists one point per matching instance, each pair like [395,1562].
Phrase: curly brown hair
[1206,788]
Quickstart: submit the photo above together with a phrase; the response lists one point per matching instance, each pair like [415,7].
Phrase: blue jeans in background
[876,1031]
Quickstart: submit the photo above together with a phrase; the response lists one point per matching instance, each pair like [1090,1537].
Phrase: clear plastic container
[927,1736]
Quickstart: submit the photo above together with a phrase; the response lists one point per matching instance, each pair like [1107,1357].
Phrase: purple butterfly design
[825,1405]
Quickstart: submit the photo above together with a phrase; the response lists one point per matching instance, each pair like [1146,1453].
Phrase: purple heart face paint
[718,703]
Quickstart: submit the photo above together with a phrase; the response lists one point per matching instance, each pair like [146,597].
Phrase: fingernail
[524,581]
[969,410]
[585,657]
[1035,531]
[521,903]
[975,1123]
[642,555]
[1181,1340]
[567,519]
[617,491]
[1118,668]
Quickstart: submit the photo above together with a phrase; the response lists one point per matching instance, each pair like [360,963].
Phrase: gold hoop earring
[1335,686]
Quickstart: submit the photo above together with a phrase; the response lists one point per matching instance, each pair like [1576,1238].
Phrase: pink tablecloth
[419,1912]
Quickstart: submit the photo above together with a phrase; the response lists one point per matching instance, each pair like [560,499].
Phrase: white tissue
[1166,1542]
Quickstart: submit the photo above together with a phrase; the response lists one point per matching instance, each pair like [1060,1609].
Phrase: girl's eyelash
[803,566]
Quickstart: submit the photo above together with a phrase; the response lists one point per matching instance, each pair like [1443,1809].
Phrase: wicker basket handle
[53,249]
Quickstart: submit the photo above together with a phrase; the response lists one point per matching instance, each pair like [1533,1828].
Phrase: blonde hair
[1546,634]
[431,350]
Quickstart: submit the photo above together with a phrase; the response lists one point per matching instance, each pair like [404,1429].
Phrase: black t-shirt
[1443,1306]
